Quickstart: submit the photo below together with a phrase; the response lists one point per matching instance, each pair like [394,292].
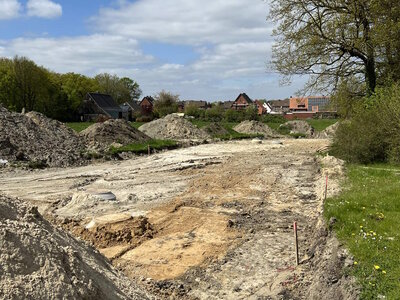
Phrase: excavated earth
[213,221]
[33,138]
[101,136]
[173,127]
[254,127]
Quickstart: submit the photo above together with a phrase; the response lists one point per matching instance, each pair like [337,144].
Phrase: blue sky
[210,49]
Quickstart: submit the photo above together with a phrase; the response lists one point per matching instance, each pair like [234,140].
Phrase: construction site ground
[213,221]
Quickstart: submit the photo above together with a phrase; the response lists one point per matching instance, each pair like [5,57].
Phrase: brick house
[147,105]
[242,102]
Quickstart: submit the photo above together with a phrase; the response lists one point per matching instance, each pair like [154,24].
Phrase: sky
[210,49]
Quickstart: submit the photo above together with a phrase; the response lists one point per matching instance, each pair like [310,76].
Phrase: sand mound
[254,127]
[101,135]
[299,126]
[33,137]
[39,261]
[173,127]
[328,133]
[215,129]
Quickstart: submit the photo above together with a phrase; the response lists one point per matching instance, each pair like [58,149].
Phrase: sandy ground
[215,218]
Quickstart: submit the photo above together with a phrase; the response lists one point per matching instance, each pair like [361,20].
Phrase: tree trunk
[370,75]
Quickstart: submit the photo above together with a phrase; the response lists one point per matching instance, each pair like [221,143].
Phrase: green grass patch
[140,148]
[321,124]
[274,125]
[137,124]
[368,222]
[79,126]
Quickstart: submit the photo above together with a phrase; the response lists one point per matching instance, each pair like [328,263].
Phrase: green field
[321,124]
[142,148]
[368,222]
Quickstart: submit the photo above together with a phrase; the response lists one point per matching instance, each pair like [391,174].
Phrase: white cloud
[9,9]
[187,22]
[231,39]
[85,54]
[44,9]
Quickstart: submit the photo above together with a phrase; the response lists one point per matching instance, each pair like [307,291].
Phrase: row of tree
[25,85]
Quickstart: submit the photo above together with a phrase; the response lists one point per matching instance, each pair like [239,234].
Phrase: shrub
[373,134]
[166,103]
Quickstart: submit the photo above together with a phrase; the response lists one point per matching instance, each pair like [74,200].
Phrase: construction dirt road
[207,222]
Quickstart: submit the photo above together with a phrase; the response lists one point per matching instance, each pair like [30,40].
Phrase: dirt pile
[254,127]
[299,127]
[101,136]
[37,139]
[39,261]
[328,133]
[215,129]
[173,127]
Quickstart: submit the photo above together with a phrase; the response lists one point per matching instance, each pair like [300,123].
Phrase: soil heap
[101,136]
[173,127]
[299,127]
[39,261]
[215,129]
[328,133]
[254,127]
[35,138]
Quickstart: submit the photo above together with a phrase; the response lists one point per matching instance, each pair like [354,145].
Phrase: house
[227,105]
[261,110]
[130,108]
[279,106]
[242,102]
[200,104]
[310,107]
[147,105]
[96,106]
[310,104]
[268,108]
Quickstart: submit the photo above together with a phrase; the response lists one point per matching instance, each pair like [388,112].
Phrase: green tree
[31,84]
[166,103]
[76,86]
[121,89]
[332,40]
[131,89]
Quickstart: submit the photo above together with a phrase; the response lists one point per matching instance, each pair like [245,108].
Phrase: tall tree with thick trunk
[330,40]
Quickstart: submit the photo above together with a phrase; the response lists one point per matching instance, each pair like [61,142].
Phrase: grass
[79,126]
[140,148]
[321,124]
[368,222]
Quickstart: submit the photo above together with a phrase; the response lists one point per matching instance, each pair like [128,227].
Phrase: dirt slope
[40,262]
[101,136]
[35,138]
[173,127]
[254,127]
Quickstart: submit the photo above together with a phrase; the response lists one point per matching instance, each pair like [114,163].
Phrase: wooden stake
[148,149]
[296,242]
[326,187]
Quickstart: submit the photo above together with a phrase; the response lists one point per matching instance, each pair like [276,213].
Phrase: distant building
[310,104]
[131,108]
[261,109]
[147,105]
[97,105]
[201,104]
[242,102]
[279,106]
[310,107]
